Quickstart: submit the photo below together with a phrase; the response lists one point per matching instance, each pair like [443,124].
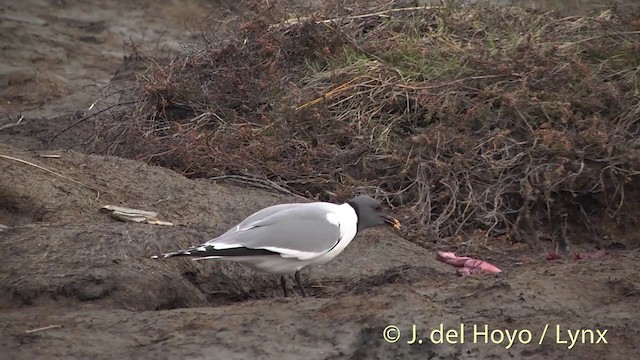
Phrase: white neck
[348,228]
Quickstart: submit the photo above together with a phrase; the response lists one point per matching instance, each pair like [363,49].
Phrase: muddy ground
[76,283]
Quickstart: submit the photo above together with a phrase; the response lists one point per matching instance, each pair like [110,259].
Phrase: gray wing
[260,215]
[297,231]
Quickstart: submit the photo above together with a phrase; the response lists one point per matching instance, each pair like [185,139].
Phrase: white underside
[273,264]
[289,262]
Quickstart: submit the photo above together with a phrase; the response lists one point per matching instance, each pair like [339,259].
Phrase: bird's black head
[370,213]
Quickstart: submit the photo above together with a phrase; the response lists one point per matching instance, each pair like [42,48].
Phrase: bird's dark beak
[391,221]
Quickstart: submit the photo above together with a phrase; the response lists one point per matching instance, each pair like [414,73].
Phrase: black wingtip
[208,251]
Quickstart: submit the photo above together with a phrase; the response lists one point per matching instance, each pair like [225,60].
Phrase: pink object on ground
[467,265]
[592,255]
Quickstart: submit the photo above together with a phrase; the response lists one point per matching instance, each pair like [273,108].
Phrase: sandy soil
[76,283]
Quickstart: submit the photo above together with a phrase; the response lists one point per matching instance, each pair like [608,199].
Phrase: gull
[283,239]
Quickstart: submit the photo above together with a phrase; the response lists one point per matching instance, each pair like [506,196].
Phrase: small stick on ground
[262,183]
[87,118]
[45,169]
[10,125]
[43,328]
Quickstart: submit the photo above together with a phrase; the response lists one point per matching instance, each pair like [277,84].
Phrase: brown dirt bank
[67,264]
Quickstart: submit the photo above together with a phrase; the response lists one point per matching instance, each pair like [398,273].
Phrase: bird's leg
[283,282]
[297,277]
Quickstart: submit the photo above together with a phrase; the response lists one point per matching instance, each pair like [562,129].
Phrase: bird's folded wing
[300,232]
[262,214]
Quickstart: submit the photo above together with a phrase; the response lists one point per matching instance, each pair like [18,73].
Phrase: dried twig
[47,170]
[262,183]
[43,328]
[10,125]
[76,123]
[383,13]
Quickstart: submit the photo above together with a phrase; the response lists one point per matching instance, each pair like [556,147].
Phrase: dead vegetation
[475,122]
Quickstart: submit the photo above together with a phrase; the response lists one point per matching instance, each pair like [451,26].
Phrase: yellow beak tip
[396,224]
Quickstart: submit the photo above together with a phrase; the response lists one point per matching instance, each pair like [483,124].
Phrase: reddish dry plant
[553,256]
[491,119]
